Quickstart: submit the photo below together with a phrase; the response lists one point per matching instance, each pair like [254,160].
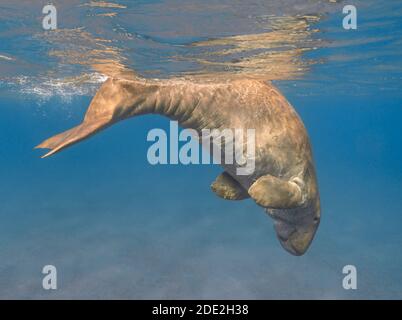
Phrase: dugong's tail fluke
[70,137]
[98,116]
[115,100]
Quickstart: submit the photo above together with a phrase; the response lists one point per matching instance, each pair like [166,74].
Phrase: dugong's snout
[298,240]
[296,228]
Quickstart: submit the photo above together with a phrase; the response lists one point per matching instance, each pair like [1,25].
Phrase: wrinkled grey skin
[283,152]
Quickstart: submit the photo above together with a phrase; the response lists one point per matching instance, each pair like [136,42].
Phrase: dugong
[284,180]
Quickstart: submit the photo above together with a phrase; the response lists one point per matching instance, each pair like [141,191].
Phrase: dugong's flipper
[272,192]
[228,188]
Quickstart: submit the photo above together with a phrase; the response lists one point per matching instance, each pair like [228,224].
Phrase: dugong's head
[296,227]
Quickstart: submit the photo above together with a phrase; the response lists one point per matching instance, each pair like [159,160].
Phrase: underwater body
[116,226]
